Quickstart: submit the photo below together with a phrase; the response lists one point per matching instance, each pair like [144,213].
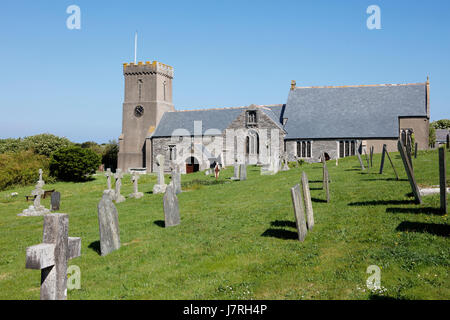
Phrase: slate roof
[441,135]
[218,119]
[352,111]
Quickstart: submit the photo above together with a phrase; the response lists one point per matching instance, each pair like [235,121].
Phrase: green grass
[237,240]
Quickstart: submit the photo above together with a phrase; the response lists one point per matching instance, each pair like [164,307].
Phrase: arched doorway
[192,165]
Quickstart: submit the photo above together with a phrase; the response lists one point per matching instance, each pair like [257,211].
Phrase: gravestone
[236,171]
[117,196]
[367,159]
[371,155]
[409,172]
[327,185]
[383,154]
[52,255]
[443,179]
[243,172]
[408,153]
[217,171]
[136,194]
[285,165]
[416,146]
[299,212]
[176,178]
[160,186]
[359,158]
[108,175]
[108,223]
[36,209]
[171,209]
[308,203]
[55,201]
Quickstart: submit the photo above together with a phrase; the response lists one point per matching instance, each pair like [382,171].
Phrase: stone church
[336,121]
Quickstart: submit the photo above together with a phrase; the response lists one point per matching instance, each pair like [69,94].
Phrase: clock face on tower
[138,111]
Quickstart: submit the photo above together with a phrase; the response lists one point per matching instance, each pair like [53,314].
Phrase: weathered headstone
[176,179]
[171,209]
[371,155]
[108,223]
[308,203]
[409,172]
[55,200]
[243,172]
[236,171]
[408,153]
[299,212]
[285,165]
[160,186]
[416,146]
[327,185]
[383,154]
[443,179]
[52,255]
[359,158]
[118,176]
[36,209]
[367,159]
[136,194]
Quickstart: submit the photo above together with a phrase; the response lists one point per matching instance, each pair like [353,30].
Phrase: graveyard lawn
[238,240]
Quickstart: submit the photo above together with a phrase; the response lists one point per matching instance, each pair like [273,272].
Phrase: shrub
[441,124]
[22,168]
[11,145]
[45,144]
[98,149]
[73,163]
[109,157]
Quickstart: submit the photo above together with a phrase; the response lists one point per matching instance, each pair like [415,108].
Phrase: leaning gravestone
[52,255]
[160,186]
[108,223]
[443,180]
[383,154]
[118,175]
[136,194]
[299,212]
[308,203]
[243,172]
[171,209]
[371,156]
[36,209]
[416,146]
[55,201]
[359,158]
[409,172]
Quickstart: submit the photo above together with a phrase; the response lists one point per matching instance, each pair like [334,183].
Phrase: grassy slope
[237,239]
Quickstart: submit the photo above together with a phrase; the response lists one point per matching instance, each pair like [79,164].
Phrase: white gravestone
[160,186]
[36,209]
[136,194]
[118,176]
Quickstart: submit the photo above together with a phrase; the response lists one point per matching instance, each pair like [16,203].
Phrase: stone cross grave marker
[236,171]
[171,208]
[118,176]
[443,180]
[136,194]
[108,224]
[299,212]
[324,167]
[176,178]
[36,209]
[409,172]
[108,175]
[308,203]
[243,172]
[160,186]
[52,255]
[55,201]
[285,165]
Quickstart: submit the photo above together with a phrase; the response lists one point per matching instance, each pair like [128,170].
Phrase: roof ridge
[365,85]
[229,108]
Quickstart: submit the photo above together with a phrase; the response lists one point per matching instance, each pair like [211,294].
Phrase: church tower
[148,94]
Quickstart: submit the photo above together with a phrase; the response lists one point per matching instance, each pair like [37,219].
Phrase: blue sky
[225,53]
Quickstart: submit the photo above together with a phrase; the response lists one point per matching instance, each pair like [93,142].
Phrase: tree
[73,163]
[441,124]
[109,158]
[45,144]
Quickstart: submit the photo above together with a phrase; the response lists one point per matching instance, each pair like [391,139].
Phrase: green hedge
[22,168]
[74,163]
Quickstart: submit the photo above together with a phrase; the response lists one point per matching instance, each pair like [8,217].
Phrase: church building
[336,121]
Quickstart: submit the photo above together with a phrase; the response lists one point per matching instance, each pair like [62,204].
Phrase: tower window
[251,117]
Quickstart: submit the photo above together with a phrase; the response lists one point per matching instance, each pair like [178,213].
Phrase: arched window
[252,142]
